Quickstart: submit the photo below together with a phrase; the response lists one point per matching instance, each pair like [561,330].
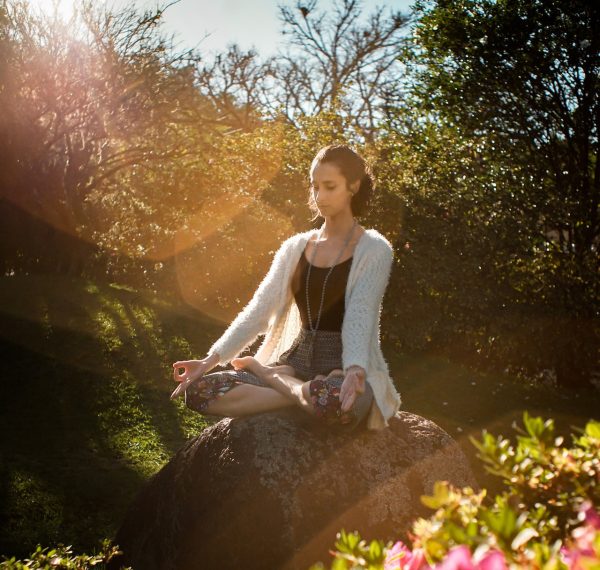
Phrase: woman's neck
[337,228]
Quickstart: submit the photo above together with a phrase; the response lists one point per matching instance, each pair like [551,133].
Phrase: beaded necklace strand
[313,331]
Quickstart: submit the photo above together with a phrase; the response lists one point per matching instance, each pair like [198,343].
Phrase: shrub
[545,518]
[62,558]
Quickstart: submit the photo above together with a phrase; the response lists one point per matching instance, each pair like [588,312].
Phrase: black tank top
[334,303]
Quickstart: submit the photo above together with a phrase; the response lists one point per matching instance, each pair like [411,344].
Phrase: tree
[338,61]
[523,77]
[100,113]
[239,85]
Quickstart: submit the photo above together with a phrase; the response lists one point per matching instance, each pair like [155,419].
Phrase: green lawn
[85,415]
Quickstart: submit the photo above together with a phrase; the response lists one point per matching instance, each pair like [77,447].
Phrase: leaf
[339,564]
[441,494]
[592,429]
[375,550]
[502,523]
[523,537]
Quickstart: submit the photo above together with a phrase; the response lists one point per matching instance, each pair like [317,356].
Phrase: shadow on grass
[85,415]
[464,403]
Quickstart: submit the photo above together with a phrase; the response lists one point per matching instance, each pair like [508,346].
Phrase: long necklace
[313,331]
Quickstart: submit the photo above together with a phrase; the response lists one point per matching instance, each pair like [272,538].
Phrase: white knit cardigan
[273,310]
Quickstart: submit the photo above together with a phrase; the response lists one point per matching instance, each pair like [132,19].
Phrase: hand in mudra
[352,386]
[192,370]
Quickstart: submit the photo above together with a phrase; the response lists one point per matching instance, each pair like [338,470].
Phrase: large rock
[272,490]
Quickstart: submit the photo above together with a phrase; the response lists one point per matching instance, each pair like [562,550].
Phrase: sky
[211,25]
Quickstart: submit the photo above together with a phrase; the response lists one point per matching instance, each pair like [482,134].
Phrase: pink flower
[492,560]
[579,559]
[458,558]
[584,539]
[591,516]
[582,550]
[418,561]
[400,557]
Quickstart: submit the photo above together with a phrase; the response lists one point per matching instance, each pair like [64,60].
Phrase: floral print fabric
[325,397]
[324,392]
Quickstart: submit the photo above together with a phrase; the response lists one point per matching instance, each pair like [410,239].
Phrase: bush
[61,558]
[545,518]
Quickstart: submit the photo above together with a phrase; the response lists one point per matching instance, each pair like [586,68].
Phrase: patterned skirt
[324,393]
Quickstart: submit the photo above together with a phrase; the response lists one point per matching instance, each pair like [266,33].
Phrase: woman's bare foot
[279,377]
[264,372]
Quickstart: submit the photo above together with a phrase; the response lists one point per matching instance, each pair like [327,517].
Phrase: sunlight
[64,8]
[220,272]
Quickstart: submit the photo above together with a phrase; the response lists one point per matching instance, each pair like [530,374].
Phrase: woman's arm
[361,316]
[255,316]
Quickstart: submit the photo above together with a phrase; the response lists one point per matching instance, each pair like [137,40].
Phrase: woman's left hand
[352,386]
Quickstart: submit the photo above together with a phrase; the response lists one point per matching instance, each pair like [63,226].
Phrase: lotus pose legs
[281,378]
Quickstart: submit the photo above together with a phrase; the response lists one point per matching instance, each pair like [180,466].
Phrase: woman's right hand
[192,370]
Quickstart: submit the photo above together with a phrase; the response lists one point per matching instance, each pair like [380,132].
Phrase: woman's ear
[354,187]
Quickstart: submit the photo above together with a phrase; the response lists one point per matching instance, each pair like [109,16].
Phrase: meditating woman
[319,307]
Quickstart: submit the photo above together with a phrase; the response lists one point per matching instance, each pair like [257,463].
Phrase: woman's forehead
[324,171]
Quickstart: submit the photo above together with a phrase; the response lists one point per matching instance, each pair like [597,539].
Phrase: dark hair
[353,167]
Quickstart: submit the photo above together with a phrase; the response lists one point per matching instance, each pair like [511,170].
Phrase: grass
[85,415]
[465,402]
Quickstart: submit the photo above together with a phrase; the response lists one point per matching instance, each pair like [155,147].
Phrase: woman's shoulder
[297,238]
[373,239]
[377,241]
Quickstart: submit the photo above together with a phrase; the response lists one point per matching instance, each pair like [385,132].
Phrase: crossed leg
[246,399]
[281,378]
[283,390]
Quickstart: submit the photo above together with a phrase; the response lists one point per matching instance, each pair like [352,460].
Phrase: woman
[319,306]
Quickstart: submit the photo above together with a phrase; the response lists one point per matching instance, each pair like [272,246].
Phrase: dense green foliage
[125,159]
[518,85]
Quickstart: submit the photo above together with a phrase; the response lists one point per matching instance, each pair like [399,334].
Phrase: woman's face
[330,189]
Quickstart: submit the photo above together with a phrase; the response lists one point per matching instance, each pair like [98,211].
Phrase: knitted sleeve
[361,318]
[254,318]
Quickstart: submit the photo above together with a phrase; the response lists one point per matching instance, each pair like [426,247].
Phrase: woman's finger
[179,390]
[348,401]
[349,384]
[175,393]
[343,393]
[344,388]
[179,377]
